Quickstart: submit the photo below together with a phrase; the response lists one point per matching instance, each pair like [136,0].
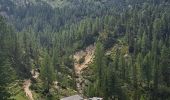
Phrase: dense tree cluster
[140,68]
[7,73]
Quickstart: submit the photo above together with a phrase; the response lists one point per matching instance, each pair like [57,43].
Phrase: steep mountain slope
[56,37]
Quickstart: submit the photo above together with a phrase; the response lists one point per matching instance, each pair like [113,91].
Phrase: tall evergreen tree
[99,64]
[47,72]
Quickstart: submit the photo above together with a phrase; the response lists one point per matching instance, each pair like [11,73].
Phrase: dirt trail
[88,55]
[27,84]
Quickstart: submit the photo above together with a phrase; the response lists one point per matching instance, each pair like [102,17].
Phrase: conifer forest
[84,49]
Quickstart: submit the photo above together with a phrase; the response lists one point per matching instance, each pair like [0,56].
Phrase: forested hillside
[113,49]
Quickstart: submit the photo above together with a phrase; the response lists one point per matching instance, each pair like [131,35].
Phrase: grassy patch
[20,96]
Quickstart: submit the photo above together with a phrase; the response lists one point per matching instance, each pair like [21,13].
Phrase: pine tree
[144,43]
[47,72]
[99,64]
[165,65]
[147,68]
[155,63]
